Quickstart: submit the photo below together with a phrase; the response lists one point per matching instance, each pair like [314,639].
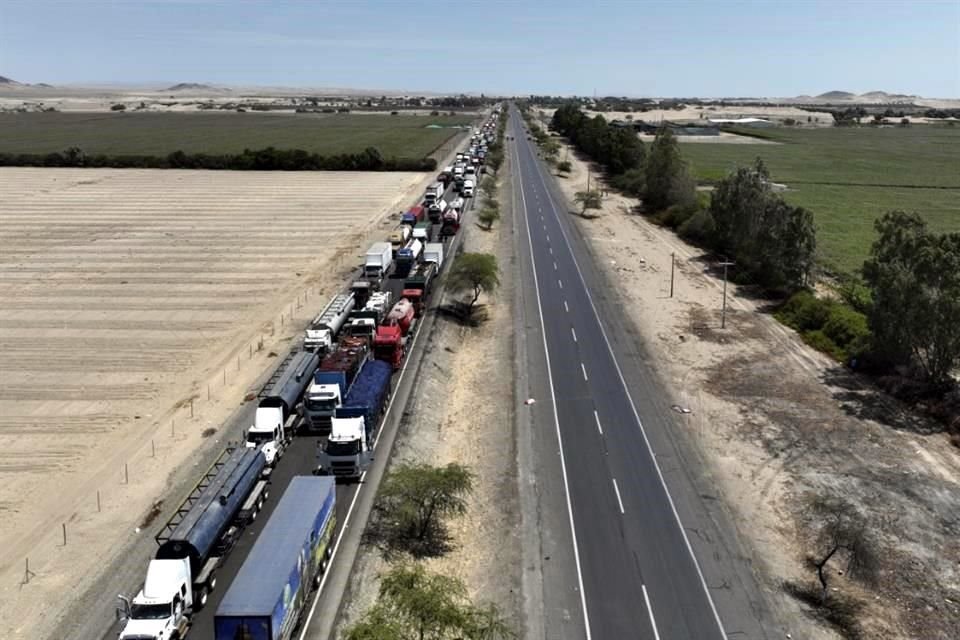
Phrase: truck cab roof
[346,430]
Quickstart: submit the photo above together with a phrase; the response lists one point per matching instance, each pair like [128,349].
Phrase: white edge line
[353,502]
[643,432]
[616,490]
[653,621]
[553,398]
[597,418]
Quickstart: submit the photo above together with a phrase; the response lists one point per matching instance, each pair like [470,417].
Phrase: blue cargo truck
[272,589]
[347,452]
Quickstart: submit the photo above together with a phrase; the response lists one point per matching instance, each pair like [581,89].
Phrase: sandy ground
[124,294]
[777,420]
[461,413]
[691,113]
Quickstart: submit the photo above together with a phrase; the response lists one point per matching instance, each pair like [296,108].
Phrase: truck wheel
[253,514]
[201,599]
[212,582]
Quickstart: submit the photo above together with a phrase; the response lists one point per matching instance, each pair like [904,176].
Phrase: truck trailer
[272,589]
[378,261]
[323,329]
[192,545]
[347,452]
[277,413]
[331,381]
[433,252]
[408,257]
[416,288]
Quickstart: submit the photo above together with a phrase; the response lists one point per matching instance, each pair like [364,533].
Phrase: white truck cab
[346,452]
[467,191]
[267,433]
[159,611]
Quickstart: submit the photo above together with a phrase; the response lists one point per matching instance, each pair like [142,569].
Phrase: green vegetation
[415,502]
[588,200]
[827,325]
[849,176]
[159,134]
[416,605]
[474,273]
[915,280]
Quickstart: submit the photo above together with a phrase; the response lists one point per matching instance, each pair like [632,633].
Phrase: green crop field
[158,134]
[850,176]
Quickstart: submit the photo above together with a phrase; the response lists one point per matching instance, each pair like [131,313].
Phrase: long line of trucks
[343,378]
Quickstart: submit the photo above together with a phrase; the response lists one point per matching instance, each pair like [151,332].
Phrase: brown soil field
[126,298]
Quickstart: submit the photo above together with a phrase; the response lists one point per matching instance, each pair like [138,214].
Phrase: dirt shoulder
[777,422]
[461,412]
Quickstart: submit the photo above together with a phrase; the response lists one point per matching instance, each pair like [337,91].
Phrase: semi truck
[272,588]
[433,252]
[451,223]
[412,216]
[323,329]
[347,452]
[363,322]
[389,345]
[434,193]
[377,263]
[402,315]
[331,381]
[277,412]
[423,231]
[362,290]
[399,238]
[192,545]
[436,210]
[408,257]
[416,288]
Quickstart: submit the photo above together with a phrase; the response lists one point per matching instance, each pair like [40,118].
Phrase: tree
[770,239]
[416,499]
[550,149]
[842,534]
[487,216]
[564,166]
[494,159]
[417,605]
[474,272]
[914,276]
[668,180]
[118,107]
[588,200]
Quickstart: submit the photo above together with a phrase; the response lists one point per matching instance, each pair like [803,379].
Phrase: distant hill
[42,85]
[837,95]
[8,81]
[190,86]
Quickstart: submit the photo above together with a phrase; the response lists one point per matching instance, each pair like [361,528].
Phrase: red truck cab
[388,345]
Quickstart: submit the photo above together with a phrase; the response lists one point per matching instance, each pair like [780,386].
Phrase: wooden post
[98,501]
[64,525]
[672,264]
[126,473]
[153,449]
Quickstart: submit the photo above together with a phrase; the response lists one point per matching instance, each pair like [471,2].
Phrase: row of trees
[616,149]
[269,159]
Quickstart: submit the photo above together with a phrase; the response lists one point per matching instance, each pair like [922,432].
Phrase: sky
[681,48]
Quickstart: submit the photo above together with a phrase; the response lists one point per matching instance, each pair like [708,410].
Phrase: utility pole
[673,263]
[723,313]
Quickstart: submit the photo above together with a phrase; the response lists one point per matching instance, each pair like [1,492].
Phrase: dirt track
[124,294]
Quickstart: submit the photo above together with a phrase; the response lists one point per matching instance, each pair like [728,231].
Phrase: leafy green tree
[914,276]
[487,216]
[494,160]
[588,200]
[416,499]
[668,181]
[564,166]
[476,273]
[770,239]
[417,605]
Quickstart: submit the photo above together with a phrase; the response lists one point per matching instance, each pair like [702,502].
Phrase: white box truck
[378,261]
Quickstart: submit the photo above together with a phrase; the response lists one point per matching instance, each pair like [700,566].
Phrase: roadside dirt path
[777,421]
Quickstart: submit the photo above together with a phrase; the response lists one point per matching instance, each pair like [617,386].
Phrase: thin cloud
[267,39]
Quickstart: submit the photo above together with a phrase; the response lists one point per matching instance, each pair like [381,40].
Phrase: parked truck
[331,381]
[416,288]
[433,252]
[192,545]
[399,238]
[434,193]
[322,332]
[408,257]
[277,414]
[412,216]
[377,264]
[423,231]
[347,452]
[401,315]
[390,345]
[362,290]
[451,223]
[271,591]
[436,210]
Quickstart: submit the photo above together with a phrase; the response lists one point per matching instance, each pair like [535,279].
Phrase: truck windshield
[259,437]
[150,611]
[336,449]
[321,405]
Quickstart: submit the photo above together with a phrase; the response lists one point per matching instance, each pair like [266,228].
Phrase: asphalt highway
[635,571]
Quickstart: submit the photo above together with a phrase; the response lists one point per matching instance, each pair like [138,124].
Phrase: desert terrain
[137,308]
[776,421]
